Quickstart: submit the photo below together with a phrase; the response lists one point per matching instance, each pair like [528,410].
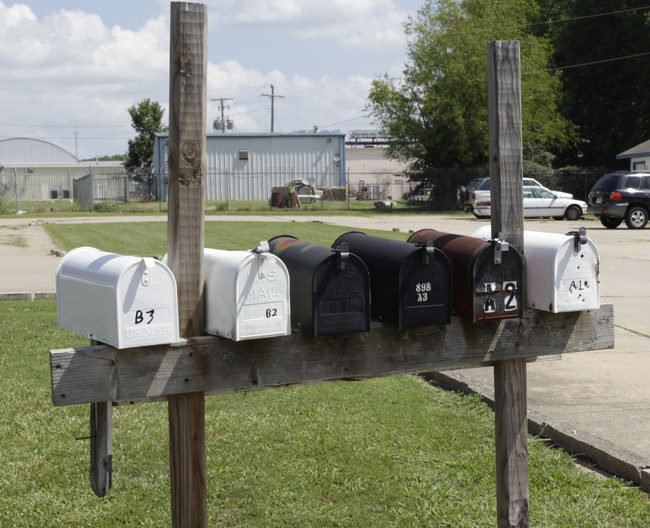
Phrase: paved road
[593,395]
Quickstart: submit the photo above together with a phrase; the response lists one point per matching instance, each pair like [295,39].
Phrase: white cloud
[69,68]
[358,22]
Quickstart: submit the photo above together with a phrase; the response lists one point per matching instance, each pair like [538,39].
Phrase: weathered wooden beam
[101,447]
[185,241]
[217,365]
[506,196]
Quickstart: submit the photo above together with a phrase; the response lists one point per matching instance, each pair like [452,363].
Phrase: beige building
[382,177]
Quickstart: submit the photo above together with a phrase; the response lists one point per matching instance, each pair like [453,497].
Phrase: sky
[71,69]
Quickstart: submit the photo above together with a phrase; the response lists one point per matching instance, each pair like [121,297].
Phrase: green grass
[386,452]
[67,208]
[150,238]
[392,452]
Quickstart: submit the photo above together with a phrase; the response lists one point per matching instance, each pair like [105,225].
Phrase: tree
[606,73]
[436,112]
[146,119]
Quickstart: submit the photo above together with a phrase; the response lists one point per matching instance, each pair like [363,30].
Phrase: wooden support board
[188,52]
[506,195]
[217,365]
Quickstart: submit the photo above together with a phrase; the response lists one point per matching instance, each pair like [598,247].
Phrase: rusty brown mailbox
[487,277]
[330,288]
[410,283]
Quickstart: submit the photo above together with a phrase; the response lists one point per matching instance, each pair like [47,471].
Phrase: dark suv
[621,196]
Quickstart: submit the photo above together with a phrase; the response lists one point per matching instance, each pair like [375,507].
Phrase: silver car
[540,202]
[478,190]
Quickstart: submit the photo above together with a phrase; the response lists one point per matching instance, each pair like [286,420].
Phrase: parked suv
[621,196]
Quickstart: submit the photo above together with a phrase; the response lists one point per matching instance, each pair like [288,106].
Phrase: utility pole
[76,142]
[222,100]
[272,96]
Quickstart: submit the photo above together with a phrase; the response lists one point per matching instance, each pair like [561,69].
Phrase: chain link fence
[90,185]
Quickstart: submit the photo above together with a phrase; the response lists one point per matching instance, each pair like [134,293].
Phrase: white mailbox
[118,300]
[561,271]
[246,294]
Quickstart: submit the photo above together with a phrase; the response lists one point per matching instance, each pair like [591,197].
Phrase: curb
[27,296]
[612,458]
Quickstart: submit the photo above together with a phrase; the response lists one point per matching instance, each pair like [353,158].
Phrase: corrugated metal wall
[272,160]
[51,183]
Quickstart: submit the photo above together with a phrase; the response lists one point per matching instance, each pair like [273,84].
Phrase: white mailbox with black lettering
[561,271]
[119,300]
[246,294]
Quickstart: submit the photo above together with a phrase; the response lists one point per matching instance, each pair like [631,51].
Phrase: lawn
[58,208]
[150,238]
[393,452]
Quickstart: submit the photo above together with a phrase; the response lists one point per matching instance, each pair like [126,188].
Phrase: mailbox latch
[579,238]
[500,245]
[149,264]
[343,255]
[263,251]
[428,250]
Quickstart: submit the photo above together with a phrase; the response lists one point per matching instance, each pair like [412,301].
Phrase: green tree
[606,71]
[146,119]
[437,112]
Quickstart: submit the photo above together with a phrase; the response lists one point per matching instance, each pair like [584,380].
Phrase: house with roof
[639,156]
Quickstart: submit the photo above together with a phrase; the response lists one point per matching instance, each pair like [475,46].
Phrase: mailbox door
[424,290]
[341,297]
[148,303]
[262,298]
[578,281]
[498,288]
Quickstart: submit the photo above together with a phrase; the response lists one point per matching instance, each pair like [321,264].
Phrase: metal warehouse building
[248,166]
[33,169]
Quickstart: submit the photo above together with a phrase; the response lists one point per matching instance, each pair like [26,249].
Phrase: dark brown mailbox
[330,288]
[410,283]
[487,277]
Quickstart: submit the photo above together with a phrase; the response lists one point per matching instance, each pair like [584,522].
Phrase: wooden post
[185,239]
[506,173]
[101,445]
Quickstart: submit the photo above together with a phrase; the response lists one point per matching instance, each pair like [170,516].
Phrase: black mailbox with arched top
[487,277]
[410,283]
[330,288]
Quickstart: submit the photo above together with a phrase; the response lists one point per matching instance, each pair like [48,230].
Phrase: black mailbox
[329,288]
[487,277]
[410,283]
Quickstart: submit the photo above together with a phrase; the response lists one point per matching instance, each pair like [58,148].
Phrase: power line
[342,122]
[583,17]
[549,22]
[591,63]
